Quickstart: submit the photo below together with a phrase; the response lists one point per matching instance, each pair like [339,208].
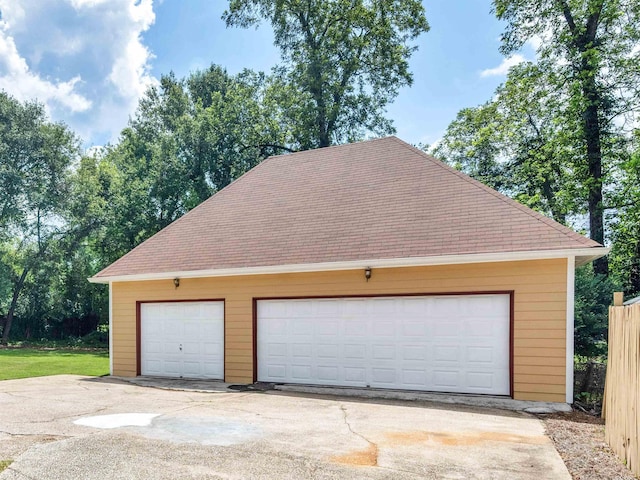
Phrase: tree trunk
[12,308]
[634,270]
[594,158]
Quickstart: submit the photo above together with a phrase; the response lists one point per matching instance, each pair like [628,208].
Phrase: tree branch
[566,11]
[593,22]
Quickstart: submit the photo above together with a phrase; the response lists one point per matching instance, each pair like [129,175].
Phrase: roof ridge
[331,147]
[504,198]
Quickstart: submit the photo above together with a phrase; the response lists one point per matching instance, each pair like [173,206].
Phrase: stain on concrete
[365,458]
[202,430]
[461,439]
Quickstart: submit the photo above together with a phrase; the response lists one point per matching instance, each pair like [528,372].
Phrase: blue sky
[89,61]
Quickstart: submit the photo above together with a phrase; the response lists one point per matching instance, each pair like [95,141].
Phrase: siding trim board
[511,294]
[110,328]
[511,341]
[139,326]
[571,278]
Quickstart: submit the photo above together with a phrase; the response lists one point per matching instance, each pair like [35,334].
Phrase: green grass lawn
[29,362]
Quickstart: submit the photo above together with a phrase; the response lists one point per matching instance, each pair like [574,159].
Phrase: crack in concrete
[12,394]
[64,417]
[373,445]
[51,435]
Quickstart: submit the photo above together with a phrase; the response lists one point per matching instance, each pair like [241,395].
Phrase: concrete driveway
[178,434]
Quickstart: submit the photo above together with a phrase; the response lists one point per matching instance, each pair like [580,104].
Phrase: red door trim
[139,327]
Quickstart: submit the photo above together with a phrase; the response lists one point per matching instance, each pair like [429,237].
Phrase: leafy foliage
[343,61]
[518,143]
[625,254]
[34,177]
[592,299]
[64,216]
[590,60]
[557,135]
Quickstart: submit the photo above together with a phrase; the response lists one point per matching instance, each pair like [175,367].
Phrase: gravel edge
[579,439]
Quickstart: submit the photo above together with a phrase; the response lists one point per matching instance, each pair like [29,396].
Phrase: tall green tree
[35,160]
[588,48]
[520,144]
[625,254]
[189,138]
[344,61]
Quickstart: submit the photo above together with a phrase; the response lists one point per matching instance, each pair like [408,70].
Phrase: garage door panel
[299,350]
[413,328]
[171,367]
[328,373]
[383,377]
[446,343]
[446,327]
[446,354]
[446,379]
[480,355]
[326,327]
[414,378]
[356,376]
[191,369]
[276,372]
[383,328]
[356,327]
[327,351]
[383,352]
[414,352]
[301,373]
[354,351]
[182,339]
[327,308]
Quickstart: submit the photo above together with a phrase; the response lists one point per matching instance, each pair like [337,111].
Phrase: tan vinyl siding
[539,310]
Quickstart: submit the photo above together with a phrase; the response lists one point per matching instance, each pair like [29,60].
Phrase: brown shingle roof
[379,199]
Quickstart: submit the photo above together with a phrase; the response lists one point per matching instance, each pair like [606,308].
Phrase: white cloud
[504,67]
[24,84]
[84,59]
[535,42]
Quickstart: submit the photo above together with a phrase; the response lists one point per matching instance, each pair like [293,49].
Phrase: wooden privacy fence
[621,405]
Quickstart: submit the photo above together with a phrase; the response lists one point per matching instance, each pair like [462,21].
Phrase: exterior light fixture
[176,282]
[367,273]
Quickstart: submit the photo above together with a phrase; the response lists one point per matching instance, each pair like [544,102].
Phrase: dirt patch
[365,458]
[579,438]
[462,439]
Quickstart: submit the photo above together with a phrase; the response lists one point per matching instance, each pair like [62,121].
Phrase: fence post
[618,298]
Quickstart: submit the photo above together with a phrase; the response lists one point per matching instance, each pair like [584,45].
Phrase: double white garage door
[457,343]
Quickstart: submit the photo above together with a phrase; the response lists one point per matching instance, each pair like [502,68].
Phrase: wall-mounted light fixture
[367,273]
[176,282]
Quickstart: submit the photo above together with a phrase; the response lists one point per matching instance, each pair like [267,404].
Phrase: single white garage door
[182,339]
[453,343]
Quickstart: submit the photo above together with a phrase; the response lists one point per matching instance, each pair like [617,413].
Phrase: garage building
[369,265]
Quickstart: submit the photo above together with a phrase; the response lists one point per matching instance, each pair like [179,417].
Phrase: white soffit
[582,256]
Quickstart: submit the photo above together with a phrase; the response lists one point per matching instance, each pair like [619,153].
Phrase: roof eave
[582,256]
